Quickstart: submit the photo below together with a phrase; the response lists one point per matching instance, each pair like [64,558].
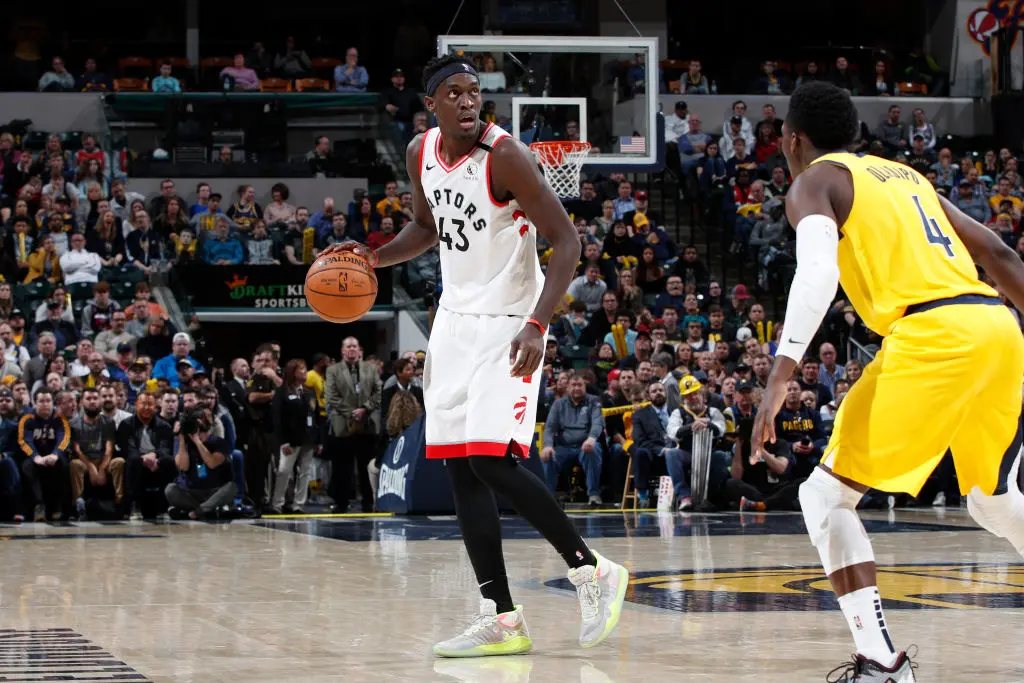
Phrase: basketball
[341,287]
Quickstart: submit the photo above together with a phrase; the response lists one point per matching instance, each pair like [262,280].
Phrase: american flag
[633,144]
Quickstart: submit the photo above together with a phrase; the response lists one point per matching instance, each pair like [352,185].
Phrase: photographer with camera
[800,427]
[204,482]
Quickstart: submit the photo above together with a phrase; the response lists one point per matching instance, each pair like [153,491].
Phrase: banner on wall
[412,484]
[976,21]
[259,288]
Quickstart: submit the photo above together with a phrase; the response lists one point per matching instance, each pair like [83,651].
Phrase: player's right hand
[353,246]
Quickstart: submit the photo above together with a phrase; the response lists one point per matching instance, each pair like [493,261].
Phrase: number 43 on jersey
[461,242]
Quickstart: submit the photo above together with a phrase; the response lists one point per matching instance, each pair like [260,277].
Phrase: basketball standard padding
[341,287]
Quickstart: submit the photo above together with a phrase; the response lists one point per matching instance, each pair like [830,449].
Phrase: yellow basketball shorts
[946,378]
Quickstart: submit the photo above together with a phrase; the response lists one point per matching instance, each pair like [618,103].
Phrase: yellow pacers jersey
[897,248]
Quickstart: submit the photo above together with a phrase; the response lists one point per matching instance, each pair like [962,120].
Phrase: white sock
[863,611]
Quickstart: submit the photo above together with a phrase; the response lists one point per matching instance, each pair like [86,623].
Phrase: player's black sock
[534,502]
[477,512]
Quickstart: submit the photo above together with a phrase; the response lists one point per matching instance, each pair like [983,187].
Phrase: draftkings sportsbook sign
[255,287]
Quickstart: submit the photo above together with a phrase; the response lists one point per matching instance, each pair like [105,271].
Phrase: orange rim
[553,153]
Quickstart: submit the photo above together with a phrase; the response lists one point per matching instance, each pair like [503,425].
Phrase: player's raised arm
[989,252]
[514,172]
[417,236]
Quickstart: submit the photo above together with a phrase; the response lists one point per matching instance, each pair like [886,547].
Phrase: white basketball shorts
[473,405]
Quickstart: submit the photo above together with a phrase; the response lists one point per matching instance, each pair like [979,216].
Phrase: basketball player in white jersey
[479,194]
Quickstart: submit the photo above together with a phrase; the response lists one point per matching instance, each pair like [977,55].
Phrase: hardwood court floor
[714,598]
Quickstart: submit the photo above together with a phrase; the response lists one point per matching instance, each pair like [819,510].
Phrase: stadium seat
[304,84]
[80,291]
[72,140]
[675,86]
[275,85]
[177,62]
[122,290]
[29,308]
[323,67]
[913,88]
[209,71]
[130,85]
[135,67]
[217,63]
[681,64]
[35,141]
[37,289]
[125,273]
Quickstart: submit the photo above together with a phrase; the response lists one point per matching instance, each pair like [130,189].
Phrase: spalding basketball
[341,287]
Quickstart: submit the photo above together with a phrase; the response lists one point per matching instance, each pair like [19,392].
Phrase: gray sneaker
[601,591]
[864,670]
[80,509]
[489,633]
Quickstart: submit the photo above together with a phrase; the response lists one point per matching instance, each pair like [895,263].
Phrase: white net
[562,162]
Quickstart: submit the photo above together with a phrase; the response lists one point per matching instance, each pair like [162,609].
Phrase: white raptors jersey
[488,249]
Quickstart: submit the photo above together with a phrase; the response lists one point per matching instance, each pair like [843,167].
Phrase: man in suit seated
[692,417]
[649,440]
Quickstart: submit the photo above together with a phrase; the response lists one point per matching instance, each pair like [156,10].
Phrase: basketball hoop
[561,162]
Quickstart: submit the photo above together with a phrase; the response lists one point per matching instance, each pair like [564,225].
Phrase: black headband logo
[450,70]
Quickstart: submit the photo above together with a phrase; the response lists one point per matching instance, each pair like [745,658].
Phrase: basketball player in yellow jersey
[949,372]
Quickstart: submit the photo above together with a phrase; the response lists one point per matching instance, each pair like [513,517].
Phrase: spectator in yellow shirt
[315,379]
[391,203]
[1003,194]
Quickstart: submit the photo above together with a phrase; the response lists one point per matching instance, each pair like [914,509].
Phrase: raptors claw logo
[519,409]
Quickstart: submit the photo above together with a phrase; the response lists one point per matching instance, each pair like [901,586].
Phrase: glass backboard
[597,89]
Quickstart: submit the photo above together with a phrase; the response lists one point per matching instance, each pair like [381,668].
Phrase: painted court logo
[806,589]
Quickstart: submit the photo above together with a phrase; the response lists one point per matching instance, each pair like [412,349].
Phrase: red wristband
[534,321]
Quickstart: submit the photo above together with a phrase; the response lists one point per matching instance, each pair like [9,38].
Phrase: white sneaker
[489,633]
[940,500]
[601,591]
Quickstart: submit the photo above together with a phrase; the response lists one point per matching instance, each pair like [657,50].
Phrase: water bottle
[201,470]
[714,88]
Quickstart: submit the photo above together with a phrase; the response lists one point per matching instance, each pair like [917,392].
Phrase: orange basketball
[341,287]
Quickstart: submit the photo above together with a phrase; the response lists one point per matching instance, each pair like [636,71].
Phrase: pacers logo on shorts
[519,409]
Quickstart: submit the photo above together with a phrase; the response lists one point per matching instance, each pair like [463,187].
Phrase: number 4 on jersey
[931,229]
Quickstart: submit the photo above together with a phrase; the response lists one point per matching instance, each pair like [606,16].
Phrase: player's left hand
[764,421]
[527,351]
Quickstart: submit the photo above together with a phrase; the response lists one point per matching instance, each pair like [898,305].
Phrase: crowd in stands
[916,73]
[289,69]
[106,410]
[738,178]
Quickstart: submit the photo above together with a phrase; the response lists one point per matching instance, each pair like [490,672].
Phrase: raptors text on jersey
[488,248]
